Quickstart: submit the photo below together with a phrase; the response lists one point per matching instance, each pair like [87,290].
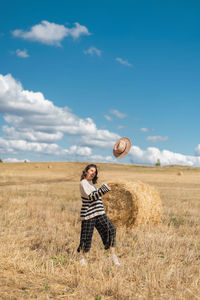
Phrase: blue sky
[75,76]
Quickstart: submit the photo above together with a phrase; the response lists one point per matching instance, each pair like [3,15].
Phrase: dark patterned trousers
[104,227]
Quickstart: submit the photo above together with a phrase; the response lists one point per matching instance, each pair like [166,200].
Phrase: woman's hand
[109,186]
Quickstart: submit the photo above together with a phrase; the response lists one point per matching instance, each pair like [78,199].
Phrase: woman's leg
[107,232]
[87,228]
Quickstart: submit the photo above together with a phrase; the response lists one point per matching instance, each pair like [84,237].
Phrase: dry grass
[40,227]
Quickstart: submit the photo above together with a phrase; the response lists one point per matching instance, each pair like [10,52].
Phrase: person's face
[90,173]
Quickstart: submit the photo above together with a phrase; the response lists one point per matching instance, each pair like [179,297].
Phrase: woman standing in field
[93,215]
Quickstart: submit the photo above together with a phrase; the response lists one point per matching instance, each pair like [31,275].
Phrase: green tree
[1,160]
[158,164]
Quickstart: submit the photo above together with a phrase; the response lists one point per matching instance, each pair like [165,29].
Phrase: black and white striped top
[92,205]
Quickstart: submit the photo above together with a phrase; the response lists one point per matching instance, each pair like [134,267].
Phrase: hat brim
[127,149]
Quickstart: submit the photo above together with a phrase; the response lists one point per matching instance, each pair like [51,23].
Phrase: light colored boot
[83,262]
[115,259]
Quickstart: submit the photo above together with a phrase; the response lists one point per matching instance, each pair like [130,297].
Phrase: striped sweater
[92,205]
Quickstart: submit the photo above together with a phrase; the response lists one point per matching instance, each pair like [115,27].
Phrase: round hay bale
[37,167]
[180,173]
[49,166]
[132,204]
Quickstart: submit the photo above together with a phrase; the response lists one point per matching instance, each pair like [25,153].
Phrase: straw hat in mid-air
[121,147]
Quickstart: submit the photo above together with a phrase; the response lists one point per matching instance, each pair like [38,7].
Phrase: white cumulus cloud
[22,145]
[13,160]
[144,129]
[98,143]
[117,113]
[123,62]
[50,33]
[108,118]
[197,150]
[78,30]
[101,139]
[77,150]
[35,124]
[52,149]
[22,53]
[100,158]
[151,154]
[93,51]
[31,135]
[157,138]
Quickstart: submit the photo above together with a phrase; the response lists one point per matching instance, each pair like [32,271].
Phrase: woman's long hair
[94,180]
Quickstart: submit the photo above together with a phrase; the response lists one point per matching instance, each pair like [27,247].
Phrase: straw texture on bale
[132,204]
[180,173]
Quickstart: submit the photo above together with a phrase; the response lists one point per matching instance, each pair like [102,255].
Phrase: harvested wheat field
[40,228]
